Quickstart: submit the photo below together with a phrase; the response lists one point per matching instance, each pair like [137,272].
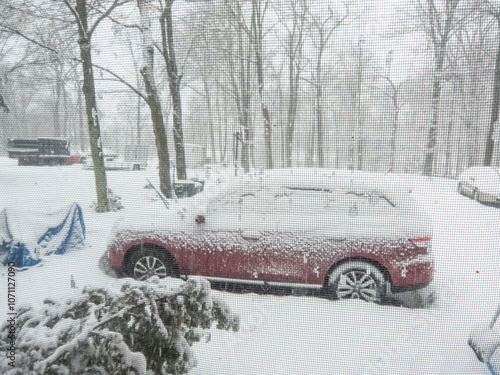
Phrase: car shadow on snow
[413,299]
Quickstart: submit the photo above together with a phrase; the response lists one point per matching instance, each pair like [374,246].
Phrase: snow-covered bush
[145,328]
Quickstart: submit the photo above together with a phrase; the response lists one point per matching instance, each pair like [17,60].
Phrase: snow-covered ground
[293,334]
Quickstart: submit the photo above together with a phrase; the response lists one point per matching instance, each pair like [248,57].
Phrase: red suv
[289,227]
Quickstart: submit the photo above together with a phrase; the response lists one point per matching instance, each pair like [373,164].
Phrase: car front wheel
[149,261]
[357,280]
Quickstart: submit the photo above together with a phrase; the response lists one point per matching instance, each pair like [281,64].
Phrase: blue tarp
[27,237]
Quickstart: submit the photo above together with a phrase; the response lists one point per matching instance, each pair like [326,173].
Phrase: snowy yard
[294,334]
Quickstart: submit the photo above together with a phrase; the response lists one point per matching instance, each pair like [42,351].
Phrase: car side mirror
[200,219]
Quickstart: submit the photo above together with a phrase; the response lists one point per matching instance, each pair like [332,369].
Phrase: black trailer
[40,151]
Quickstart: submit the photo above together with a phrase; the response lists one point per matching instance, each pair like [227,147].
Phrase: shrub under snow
[146,328]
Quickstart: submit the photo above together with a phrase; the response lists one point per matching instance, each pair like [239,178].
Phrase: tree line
[413,87]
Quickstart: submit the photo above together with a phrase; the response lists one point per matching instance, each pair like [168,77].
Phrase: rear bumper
[411,275]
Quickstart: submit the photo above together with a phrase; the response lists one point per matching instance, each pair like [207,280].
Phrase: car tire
[149,261]
[357,280]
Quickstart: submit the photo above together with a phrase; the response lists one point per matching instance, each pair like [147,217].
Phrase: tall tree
[294,26]
[361,63]
[392,90]
[439,20]
[321,28]
[471,66]
[239,59]
[85,32]
[174,80]
[493,7]
[258,13]
[152,98]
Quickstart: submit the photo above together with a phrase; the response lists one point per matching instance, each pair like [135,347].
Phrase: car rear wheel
[150,261]
[357,280]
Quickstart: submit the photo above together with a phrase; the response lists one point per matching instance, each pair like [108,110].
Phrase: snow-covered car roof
[155,216]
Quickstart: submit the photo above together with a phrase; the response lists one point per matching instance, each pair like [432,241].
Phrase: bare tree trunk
[393,136]
[174,79]
[448,149]
[319,114]
[80,117]
[337,146]
[394,96]
[91,108]
[293,88]
[57,108]
[324,24]
[294,44]
[66,127]
[138,125]
[441,26]
[432,134]
[359,117]
[257,19]
[243,102]
[221,138]
[292,111]
[211,134]
[147,72]
[490,143]
[282,128]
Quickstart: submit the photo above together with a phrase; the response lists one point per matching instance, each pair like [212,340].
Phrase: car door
[246,242]
[295,216]
[216,236]
[233,229]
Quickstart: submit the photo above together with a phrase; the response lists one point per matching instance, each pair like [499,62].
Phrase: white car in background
[480,183]
[114,162]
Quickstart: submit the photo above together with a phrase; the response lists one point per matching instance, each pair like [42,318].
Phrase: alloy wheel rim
[149,266]
[357,285]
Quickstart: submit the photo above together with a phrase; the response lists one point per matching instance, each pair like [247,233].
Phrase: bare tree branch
[17,32]
[116,3]
[120,79]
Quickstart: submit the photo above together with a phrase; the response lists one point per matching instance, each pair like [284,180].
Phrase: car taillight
[422,242]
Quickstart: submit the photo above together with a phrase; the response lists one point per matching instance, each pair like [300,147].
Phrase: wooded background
[408,86]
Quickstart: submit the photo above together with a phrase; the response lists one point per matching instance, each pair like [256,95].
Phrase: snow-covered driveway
[290,334]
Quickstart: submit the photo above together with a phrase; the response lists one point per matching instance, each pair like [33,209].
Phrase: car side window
[240,209]
[365,204]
